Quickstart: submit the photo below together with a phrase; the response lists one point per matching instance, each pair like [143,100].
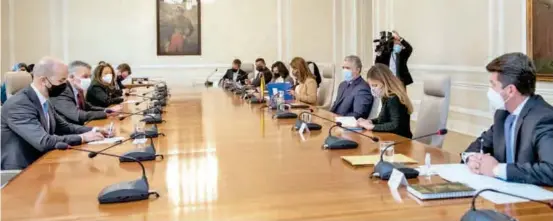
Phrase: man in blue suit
[354,94]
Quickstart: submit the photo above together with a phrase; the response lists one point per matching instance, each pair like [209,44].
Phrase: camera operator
[395,52]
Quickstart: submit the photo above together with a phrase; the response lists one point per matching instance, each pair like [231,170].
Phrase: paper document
[461,173]
[107,141]
[373,159]
[130,102]
[348,122]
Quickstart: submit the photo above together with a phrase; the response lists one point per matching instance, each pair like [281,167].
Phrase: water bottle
[280,101]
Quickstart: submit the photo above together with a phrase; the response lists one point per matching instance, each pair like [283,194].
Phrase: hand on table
[367,124]
[482,164]
[91,136]
[114,111]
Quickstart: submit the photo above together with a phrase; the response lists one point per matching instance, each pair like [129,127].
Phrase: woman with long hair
[102,91]
[281,73]
[306,88]
[395,114]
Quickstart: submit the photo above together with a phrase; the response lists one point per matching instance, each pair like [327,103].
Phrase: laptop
[274,88]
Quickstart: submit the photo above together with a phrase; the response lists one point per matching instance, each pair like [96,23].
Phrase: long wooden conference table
[228,160]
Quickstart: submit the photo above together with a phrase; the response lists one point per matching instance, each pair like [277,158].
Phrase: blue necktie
[509,142]
[45,110]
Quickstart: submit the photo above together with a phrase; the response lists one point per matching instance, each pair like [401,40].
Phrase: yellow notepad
[373,159]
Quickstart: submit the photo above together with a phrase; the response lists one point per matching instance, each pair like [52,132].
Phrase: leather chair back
[326,88]
[434,109]
[15,81]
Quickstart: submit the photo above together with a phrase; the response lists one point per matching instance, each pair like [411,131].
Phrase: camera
[385,43]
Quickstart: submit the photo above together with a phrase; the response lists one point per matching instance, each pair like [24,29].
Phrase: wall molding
[451,68]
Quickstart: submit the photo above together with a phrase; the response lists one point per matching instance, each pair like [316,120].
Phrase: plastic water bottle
[427,165]
[280,101]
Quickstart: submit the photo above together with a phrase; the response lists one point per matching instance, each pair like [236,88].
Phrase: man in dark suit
[30,126]
[396,58]
[354,94]
[261,68]
[122,72]
[71,103]
[518,147]
[235,74]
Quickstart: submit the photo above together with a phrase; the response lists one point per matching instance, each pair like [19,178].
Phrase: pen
[481,145]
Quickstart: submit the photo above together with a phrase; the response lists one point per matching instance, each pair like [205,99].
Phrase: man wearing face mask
[397,58]
[30,126]
[235,74]
[123,71]
[71,103]
[518,147]
[261,69]
[354,94]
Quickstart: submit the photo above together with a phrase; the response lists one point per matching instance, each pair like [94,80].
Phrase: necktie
[80,99]
[45,110]
[509,142]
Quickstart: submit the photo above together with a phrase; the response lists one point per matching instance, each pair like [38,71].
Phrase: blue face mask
[397,48]
[348,75]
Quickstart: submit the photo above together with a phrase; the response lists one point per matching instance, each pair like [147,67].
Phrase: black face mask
[120,78]
[276,74]
[234,70]
[55,90]
[259,68]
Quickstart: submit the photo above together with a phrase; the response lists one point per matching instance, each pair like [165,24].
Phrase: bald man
[30,126]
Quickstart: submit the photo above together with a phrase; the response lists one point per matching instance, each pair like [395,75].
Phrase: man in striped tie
[71,104]
[518,147]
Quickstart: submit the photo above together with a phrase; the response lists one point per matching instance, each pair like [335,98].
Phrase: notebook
[440,191]
[374,159]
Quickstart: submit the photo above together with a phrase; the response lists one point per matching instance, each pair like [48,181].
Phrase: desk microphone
[383,169]
[311,126]
[93,154]
[489,215]
[333,142]
[139,113]
[146,97]
[149,133]
[210,83]
[124,191]
[152,119]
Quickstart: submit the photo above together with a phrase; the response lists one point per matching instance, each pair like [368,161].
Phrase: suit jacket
[242,76]
[119,87]
[67,107]
[402,70]
[393,118]
[533,143]
[354,99]
[307,91]
[268,76]
[102,96]
[24,134]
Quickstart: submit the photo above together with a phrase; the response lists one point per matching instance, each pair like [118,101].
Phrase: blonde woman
[306,88]
[395,114]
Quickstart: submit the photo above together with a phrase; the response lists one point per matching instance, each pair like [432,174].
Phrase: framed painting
[179,27]
[539,17]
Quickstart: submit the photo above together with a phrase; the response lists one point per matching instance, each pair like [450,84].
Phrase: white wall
[125,31]
[458,38]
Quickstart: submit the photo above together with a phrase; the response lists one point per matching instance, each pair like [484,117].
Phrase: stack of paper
[461,173]
[349,122]
[107,141]
[373,159]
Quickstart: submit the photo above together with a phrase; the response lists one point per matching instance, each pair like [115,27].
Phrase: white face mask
[85,83]
[376,92]
[495,99]
[107,79]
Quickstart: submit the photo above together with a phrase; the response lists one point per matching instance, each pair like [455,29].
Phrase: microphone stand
[333,142]
[311,126]
[210,83]
[483,215]
[127,191]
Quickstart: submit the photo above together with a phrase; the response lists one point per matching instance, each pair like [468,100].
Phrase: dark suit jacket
[393,118]
[67,107]
[533,143]
[119,87]
[402,70]
[268,76]
[353,99]
[24,135]
[102,96]
[242,76]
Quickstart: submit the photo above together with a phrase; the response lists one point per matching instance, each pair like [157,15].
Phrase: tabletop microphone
[334,142]
[149,133]
[146,97]
[93,154]
[383,169]
[127,191]
[484,215]
[310,125]
[139,113]
[209,83]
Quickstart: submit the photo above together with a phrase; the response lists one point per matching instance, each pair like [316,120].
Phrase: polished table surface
[228,160]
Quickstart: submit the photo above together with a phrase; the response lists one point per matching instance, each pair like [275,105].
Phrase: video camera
[385,43]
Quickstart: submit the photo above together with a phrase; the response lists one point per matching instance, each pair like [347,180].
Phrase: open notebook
[373,159]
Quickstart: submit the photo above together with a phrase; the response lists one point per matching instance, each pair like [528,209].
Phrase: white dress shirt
[393,64]
[42,100]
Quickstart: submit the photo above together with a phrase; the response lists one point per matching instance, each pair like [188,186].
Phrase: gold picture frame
[544,74]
